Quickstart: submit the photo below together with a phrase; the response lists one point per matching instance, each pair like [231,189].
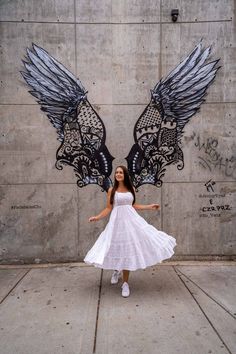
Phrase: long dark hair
[127,182]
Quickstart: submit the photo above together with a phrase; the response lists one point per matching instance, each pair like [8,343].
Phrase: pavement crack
[14,286]
[204,313]
[208,295]
[97,316]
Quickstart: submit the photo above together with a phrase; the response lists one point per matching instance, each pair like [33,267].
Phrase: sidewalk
[175,307]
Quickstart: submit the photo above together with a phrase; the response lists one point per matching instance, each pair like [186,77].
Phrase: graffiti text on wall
[212,158]
[26,206]
[213,203]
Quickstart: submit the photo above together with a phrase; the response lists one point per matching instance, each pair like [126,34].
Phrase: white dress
[128,241]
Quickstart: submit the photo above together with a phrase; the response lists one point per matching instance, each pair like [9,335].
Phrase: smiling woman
[128,242]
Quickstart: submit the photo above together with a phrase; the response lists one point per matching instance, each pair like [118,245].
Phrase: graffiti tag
[216,203]
[26,207]
[213,158]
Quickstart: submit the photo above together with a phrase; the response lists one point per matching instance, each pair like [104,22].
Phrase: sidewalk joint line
[218,303]
[14,286]
[98,307]
[208,319]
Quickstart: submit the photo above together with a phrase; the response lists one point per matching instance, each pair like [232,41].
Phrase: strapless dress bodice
[123,198]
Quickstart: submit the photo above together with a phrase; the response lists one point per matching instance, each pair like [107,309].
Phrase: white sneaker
[115,277]
[125,289]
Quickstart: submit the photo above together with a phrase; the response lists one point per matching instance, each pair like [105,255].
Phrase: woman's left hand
[154,206]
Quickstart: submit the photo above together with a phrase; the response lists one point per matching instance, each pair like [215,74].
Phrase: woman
[128,241]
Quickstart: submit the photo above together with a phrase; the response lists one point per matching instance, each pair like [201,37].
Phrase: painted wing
[80,129]
[158,131]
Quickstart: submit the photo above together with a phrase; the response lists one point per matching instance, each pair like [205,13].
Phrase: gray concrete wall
[119,50]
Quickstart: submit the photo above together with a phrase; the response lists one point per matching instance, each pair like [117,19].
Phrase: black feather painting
[80,129]
[158,131]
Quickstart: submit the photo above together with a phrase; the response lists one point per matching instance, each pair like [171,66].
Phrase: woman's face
[119,174]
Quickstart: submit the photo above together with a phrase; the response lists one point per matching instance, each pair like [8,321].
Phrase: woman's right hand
[93,218]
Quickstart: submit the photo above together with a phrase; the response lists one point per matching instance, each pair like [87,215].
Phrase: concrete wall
[119,50]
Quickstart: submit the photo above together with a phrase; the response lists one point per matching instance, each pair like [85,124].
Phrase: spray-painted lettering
[212,158]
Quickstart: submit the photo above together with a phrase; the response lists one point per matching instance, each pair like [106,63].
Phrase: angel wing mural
[80,129]
[158,131]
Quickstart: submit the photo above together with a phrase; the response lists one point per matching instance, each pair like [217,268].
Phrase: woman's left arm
[146,206]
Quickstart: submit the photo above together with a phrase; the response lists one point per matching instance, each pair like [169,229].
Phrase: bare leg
[125,276]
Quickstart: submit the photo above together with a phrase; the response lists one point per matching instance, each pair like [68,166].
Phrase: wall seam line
[160,75]
[113,104]
[115,23]
[77,190]
[74,183]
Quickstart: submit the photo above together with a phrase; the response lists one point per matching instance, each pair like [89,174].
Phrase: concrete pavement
[175,307]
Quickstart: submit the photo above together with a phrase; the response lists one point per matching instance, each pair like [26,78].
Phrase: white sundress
[128,241]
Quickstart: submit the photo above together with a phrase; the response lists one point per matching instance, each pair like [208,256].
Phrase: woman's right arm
[105,211]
